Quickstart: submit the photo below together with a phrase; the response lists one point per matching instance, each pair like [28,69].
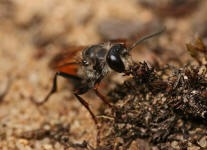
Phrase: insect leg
[85,104]
[54,87]
[101,96]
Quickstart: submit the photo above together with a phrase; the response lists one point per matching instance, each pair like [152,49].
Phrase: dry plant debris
[56,133]
[159,109]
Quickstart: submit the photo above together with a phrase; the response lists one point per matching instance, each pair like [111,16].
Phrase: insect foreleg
[85,104]
[101,96]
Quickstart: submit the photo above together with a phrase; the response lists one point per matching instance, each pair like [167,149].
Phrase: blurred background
[33,32]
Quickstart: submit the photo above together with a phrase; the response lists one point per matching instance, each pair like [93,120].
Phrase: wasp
[95,63]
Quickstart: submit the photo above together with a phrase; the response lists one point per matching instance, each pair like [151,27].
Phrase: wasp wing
[68,61]
[72,54]
[69,68]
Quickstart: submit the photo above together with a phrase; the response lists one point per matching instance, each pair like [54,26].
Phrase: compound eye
[85,63]
[113,58]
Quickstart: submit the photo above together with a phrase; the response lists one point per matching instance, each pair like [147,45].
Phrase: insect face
[114,57]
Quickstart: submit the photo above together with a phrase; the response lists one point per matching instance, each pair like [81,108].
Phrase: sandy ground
[31,33]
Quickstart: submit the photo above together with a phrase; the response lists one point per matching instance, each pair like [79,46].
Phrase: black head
[113,57]
[118,52]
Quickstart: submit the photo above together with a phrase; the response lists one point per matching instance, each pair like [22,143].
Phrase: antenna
[146,37]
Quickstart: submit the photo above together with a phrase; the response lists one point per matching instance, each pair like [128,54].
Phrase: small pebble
[203,142]
[47,146]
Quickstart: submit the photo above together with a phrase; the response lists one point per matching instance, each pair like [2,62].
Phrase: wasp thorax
[93,61]
[94,54]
